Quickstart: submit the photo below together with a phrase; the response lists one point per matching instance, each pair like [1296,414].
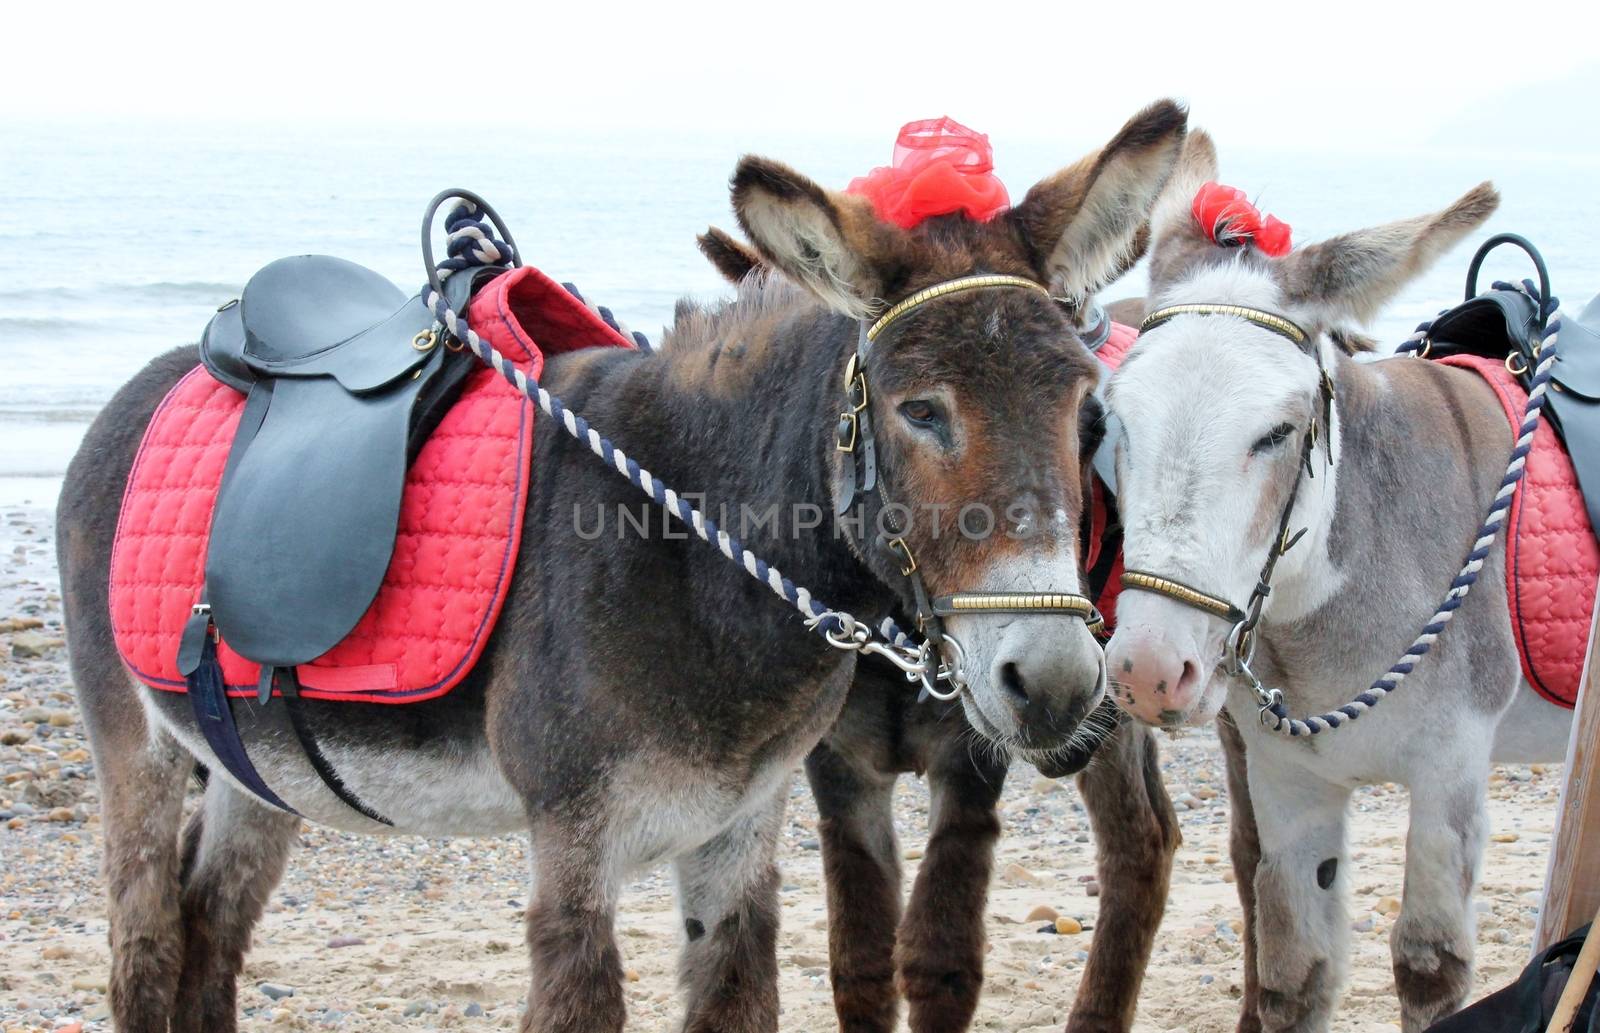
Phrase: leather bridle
[1240,647]
[856,442]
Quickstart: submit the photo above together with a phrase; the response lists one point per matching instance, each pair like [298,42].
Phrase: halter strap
[956,286]
[1144,581]
[1279,325]
[1069,603]
[855,440]
[1241,639]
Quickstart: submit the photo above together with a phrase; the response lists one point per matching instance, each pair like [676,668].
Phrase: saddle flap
[313,315]
[1578,365]
[304,524]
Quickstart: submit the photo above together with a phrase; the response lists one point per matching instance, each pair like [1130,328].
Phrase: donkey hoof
[1432,980]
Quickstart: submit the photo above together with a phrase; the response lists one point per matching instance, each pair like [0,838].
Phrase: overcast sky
[1347,75]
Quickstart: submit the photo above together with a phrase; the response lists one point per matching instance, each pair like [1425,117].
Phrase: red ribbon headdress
[940,166]
[1230,220]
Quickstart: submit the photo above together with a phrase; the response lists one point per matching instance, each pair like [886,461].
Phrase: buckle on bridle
[898,545]
[848,430]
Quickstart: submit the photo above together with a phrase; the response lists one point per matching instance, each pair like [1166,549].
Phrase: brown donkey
[930,949]
[643,700]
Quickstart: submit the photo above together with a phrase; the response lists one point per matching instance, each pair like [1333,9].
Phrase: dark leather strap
[213,710]
[289,686]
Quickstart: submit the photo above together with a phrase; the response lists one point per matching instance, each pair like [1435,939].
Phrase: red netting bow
[940,166]
[1229,219]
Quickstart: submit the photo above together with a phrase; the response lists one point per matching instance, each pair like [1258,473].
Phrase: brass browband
[1266,320]
[939,290]
[1141,581]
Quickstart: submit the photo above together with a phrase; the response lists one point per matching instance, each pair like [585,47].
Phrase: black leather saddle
[1509,323]
[346,376]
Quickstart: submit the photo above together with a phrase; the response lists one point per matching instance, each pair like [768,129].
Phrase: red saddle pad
[1552,557]
[460,519]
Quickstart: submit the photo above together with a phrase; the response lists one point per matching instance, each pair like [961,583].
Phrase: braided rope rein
[1493,522]
[472,246]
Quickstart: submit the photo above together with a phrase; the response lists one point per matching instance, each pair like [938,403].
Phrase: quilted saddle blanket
[460,521]
[1552,557]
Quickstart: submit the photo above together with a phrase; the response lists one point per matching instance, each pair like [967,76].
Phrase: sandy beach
[369,934]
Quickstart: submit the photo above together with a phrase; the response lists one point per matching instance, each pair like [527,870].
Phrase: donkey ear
[1083,222]
[1352,276]
[734,259]
[1173,215]
[832,244]
[1175,236]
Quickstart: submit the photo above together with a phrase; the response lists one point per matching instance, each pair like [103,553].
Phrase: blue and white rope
[1538,384]
[610,319]
[470,245]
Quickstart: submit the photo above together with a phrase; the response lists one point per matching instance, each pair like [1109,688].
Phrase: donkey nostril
[1011,682]
[1187,679]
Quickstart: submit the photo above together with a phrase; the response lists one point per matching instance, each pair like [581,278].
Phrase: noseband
[1240,647]
[856,442]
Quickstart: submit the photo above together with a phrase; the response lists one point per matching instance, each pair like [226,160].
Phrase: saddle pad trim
[1552,675]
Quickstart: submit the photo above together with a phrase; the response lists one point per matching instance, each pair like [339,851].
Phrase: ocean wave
[44,324]
[190,292]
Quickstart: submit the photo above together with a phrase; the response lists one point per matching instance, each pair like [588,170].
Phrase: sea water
[117,242]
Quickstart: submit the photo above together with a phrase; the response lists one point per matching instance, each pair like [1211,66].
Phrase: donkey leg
[142,771]
[861,866]
[577,969]
[940,954]
[729,894]
[235,850]
[1301,923]
[1432,942]
[1244,851]
[1135,834]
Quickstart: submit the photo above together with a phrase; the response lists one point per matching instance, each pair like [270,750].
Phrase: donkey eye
[922,412]
[1272,438]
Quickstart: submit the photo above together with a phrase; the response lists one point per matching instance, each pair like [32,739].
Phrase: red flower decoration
[1230,220]
[940,166]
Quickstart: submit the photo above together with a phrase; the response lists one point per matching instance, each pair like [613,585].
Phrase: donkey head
[1227,437]
[979,400]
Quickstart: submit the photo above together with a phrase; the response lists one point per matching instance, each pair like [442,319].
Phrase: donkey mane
[760,298]
[1351,342]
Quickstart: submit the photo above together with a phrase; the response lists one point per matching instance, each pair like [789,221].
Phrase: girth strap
[213,713]
[213,710]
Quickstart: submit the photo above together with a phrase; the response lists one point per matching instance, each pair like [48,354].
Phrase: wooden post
[1572,884]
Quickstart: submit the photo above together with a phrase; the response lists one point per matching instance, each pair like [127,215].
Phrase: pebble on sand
[27,645]
[1042,913]
[1016,873]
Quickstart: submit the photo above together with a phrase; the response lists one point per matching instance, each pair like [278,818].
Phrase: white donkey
[1242,425]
